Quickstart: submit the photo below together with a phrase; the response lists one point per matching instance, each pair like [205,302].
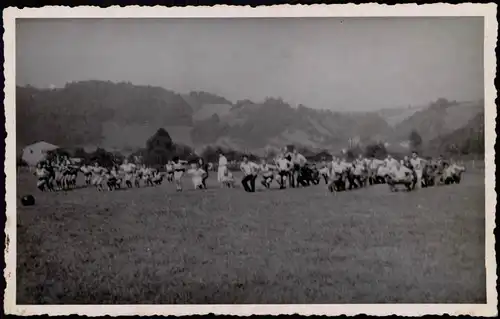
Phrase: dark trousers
[249,179]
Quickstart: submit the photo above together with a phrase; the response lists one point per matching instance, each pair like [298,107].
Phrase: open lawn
[153,245]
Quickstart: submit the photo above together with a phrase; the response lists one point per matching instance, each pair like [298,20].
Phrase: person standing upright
[205,168]
[221,168]
[418,165]
[299,161]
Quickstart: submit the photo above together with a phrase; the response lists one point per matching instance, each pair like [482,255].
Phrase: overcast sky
[333,63]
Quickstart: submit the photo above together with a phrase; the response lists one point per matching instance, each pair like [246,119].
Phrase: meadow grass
[224,246]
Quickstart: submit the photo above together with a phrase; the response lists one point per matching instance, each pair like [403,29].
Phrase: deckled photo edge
[491,25]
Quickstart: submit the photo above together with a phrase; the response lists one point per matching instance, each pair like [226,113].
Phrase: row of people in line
[288,168]
[340,174]
[61,174]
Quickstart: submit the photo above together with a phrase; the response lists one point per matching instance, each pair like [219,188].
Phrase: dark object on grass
[28,200]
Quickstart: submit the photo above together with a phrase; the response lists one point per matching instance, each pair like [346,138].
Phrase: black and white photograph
[250,160]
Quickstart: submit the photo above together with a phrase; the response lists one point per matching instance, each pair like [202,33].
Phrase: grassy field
[153,245]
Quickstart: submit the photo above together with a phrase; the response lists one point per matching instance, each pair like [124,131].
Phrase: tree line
[160,148]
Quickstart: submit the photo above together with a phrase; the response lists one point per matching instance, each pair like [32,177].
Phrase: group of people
[292,169]
[288,169]
[61,173]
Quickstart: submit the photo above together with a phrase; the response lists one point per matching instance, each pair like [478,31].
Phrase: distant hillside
[440,118]
[198,100]
[79,113]
[397,115]
[122,116]
[468,139]
[207,110]
[275,123]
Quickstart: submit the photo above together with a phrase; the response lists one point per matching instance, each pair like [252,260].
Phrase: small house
[34,153]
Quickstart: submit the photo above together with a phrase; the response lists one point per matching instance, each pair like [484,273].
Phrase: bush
[377,150]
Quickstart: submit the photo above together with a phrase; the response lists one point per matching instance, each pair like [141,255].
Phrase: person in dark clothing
[204,167]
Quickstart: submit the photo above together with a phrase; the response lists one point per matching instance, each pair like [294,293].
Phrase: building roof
[43,145]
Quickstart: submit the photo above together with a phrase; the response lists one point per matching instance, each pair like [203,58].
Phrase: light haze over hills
[348,64]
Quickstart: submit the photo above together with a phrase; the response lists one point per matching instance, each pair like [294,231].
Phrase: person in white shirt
[336,182]
[98,173]
[267,173]
[250,170]
[113,179]
[157,177]
[221,167]
[359,173]
[418,164]
[400,174]
[42,175]
[169,168]
[179,170]
[374,166]
[85,169]
[382,172]
[227,179]
[324,171]
[391,162]
[452,173]
[360,161]
[197,174]
[284,167]
[299,161]
[128,170]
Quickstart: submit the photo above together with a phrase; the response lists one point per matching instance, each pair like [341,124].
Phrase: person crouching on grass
[197,174]
[249,170]
[43,176]
[267,173]
[400,175]
[227,179]
[113,179]
[179,170]
[85,169]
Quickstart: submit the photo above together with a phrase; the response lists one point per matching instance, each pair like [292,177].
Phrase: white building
[34,153]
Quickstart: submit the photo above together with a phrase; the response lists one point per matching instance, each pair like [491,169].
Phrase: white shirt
[98,170]
[417,163]
[249,168]
[222,161]
[358,169]
[391,162]
[400,173]
[299,159]
[383,170]
[178,166]
[345,165]
[337,167]
[375,163]
[127,168]
[283,164]
[85,169]
[41,172]
[197,175]
[266,169]
[196,172]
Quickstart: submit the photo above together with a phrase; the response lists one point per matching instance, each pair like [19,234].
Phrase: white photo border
[488,11]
